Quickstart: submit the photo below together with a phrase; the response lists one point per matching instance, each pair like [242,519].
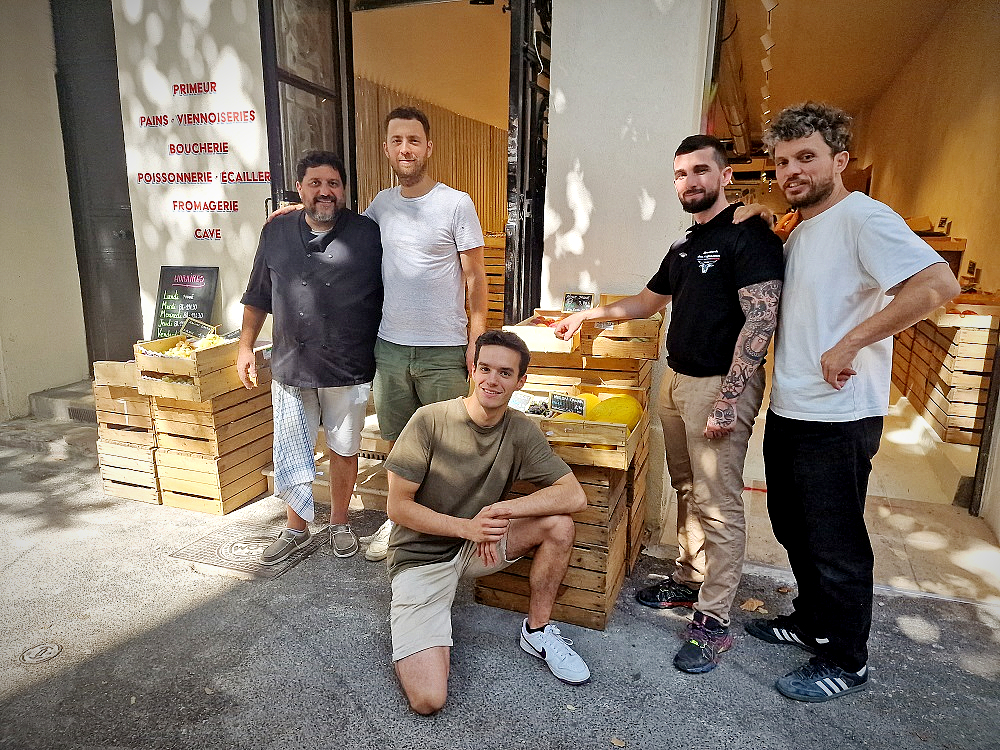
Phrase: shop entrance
[334,69]
[887,69]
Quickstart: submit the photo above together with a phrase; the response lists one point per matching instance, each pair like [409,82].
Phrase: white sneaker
[378,543]
[548,644]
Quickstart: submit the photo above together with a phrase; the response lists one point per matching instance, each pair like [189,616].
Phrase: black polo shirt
[325,293]
[703,273]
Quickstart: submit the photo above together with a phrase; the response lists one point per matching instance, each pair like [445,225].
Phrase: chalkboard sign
[564,403]
[184,292]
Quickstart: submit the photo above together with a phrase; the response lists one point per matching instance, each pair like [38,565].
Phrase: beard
[697,203]
[323,213]
[817,193]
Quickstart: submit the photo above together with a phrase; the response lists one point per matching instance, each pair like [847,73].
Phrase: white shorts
[341,410]
[420,613]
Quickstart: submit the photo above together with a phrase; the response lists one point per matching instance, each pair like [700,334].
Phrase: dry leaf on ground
[784,589]
[617,742]
[751,605]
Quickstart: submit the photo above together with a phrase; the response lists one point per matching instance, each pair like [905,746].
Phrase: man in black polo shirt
[319,273]
[724,281]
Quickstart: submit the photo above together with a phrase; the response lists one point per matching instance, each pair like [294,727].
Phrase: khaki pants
[708,477]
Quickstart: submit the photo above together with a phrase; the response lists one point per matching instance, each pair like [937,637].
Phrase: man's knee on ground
[425,702]
[426,696]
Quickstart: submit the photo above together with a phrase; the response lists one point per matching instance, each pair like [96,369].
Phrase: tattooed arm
[760,305]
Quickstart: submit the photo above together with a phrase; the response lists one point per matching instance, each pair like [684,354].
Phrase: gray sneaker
[281,548]
[343,540]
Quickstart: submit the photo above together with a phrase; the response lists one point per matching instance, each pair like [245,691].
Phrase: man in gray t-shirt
[448,474]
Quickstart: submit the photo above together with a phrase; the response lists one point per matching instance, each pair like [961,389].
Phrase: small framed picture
[576,301]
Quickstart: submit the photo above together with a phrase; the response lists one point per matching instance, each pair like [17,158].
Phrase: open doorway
[334,68]
[887,67]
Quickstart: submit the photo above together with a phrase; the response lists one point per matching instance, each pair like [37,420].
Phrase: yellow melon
[617,410]
[591,399]
[568,416]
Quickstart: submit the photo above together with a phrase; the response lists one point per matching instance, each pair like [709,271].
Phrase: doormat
[237,548]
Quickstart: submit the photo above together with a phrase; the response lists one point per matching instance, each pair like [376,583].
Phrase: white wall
[627,81]
[42,338]
[161,44]
[627,84]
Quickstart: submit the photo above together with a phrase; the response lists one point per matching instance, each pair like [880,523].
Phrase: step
[68,403]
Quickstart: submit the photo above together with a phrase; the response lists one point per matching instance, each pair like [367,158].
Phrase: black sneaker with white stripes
[818,680]
[783,631]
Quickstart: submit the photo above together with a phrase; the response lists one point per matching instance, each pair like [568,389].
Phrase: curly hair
[802,120]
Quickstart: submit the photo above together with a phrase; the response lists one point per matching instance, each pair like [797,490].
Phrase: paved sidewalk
[155,654]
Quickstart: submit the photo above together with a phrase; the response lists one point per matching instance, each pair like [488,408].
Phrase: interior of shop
[910,77]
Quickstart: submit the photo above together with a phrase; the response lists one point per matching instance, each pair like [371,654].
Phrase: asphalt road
[154,653]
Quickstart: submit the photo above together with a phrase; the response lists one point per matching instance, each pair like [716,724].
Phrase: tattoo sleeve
[760,305]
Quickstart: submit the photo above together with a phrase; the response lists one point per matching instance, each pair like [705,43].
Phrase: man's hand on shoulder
[282,211]
[743,213]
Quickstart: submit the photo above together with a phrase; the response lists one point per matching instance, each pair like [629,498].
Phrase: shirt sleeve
[539,464]
[759,255]
[410,457]
[660,283]
[258,293]
[890,251]
[467,230]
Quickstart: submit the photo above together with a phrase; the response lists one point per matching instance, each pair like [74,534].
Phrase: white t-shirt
[421,270]
[838,267]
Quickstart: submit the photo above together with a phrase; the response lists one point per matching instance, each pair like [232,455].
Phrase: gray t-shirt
[461,468]
[421,269]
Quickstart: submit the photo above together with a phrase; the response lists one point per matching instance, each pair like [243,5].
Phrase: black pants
[817,479]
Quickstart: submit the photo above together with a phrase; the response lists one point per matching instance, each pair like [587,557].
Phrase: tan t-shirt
[461,468]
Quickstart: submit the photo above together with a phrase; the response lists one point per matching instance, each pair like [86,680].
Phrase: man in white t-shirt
[432,265]
[847,257]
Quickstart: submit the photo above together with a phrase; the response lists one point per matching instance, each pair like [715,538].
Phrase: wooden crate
[210,484]
[116,373]
[541,338]
[494,256]
[944,364]
[123,416]
[211,453]
[561,369]
[638,339]
[128,471]
[573,441]
[594,579]
[211,372]
[218,426]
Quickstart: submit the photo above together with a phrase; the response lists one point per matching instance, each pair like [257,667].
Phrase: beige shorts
[420,613]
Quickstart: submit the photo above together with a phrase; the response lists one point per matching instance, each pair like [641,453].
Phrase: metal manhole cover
[41,653]
[238,547]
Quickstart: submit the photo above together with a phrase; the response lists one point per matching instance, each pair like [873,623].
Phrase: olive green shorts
[408,377]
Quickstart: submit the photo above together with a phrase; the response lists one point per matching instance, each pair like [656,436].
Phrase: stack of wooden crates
[609,532]
[184,432]
[126,441]
[943,366]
